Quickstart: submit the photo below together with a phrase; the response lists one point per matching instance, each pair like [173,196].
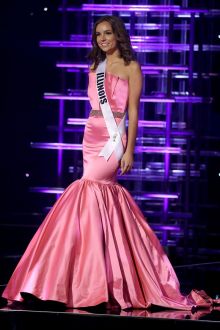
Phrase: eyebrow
[104,31]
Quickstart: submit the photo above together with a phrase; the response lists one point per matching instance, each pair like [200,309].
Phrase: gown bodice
[116,90]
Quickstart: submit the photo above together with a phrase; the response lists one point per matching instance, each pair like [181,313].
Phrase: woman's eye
[98,34]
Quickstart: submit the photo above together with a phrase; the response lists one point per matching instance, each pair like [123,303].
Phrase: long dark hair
[96,55]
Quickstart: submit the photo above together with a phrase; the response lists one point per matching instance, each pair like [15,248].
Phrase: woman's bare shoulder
[134,68]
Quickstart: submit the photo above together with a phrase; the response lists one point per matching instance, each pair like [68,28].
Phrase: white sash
[115,132]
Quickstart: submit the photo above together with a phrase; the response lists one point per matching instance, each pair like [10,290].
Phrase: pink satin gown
[95,245]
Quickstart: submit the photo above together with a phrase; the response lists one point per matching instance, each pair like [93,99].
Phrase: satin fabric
[95,245]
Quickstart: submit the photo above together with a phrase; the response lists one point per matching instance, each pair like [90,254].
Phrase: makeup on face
[105,37]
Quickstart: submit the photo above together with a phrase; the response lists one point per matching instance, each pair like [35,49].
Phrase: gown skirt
[95,245]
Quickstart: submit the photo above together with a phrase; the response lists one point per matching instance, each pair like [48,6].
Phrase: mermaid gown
[95,245]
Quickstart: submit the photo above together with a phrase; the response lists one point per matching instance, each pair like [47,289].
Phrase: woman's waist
[98,113]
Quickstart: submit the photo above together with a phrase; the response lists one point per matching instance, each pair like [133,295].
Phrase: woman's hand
[126,162]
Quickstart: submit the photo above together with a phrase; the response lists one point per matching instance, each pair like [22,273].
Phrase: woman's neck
[110,59]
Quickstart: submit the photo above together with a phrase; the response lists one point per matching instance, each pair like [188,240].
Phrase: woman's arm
[135,87]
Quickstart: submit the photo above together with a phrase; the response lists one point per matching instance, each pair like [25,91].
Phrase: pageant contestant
[95,246]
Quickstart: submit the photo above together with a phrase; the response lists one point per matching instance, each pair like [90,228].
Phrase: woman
[95,245]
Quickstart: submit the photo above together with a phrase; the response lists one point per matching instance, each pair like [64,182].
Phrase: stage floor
[18,317]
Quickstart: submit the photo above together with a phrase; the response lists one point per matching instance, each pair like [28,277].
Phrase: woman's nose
[103,37]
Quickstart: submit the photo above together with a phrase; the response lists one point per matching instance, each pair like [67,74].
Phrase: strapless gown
[95,245]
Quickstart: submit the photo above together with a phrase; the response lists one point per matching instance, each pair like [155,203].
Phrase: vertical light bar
[189,106]
[167,139]
[60,140]
[167,131]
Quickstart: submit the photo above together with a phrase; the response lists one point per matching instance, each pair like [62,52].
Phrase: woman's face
[105,37]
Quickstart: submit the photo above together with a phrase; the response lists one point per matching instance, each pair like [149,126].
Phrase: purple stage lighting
[141,123]
[161,196]
[75,146]
[143,67]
